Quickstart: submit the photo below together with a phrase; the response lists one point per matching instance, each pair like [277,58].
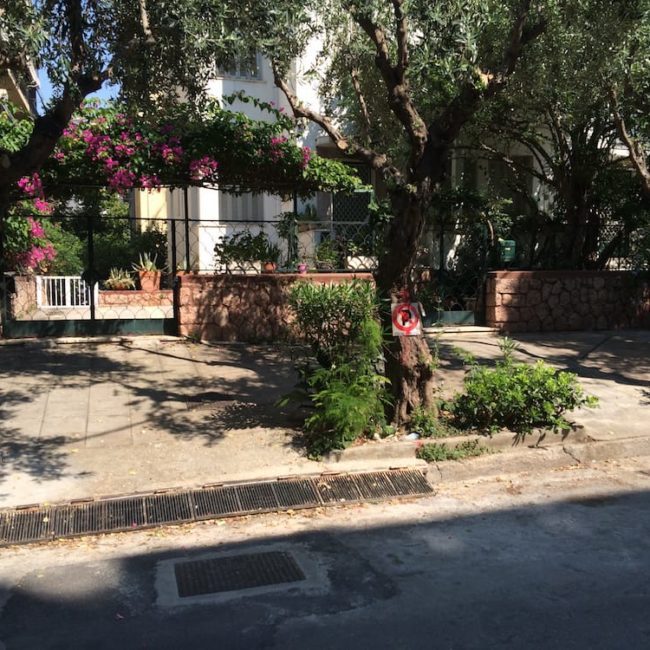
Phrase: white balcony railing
[63,291]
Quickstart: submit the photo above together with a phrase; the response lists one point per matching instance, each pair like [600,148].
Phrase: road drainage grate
[24,525]
[235,572]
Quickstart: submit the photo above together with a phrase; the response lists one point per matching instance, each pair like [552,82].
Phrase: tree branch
[520,36]
[374,159]
[356,84]
[394,76]
[517,168]
[49,127]
[445,128]
[637,154]
[402,38]
[77,44]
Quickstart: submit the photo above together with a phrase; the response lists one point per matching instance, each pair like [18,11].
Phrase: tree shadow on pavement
[159,389]
[564,574]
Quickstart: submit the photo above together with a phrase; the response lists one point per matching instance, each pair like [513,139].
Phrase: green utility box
[508,250]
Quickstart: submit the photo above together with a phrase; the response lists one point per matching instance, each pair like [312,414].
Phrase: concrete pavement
[94,419]
[83,419]
[541,560]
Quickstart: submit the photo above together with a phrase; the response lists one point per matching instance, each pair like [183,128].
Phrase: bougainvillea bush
[104,147]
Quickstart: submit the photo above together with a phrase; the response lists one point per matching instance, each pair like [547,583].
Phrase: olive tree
[399,80]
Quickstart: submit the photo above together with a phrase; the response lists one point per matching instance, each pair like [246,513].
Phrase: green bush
[519,397]
[69,250]
[428,425]
[121,246]
[241,248]
[340,324]
[349,404]
[331,317]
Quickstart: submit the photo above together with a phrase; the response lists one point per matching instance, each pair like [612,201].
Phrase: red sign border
[395,311]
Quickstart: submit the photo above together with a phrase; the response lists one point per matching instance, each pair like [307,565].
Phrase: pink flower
[203,167]
[42,206]
[306,156]
[122,180]
[149,181]
[32,186]
[35,228]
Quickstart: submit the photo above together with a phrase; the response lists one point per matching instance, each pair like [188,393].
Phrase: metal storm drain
[41,523]
[235,572]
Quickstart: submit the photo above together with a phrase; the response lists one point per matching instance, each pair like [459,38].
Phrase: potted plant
[327,255]
[119,279]
[148,272]
[241,252]
[302,267]
[271,255]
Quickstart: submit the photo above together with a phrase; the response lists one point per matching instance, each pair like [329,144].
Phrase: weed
[348,405]
[465,356]
[428,425]
[434,452]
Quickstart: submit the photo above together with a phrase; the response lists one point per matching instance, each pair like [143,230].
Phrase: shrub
[519,397]
[69,250]
[348,394]
[332,317]
[241,248]
[430,425]
[349,404]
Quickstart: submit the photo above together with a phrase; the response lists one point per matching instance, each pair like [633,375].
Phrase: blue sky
[45,90]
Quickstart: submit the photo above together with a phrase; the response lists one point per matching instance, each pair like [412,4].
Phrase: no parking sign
[406,319]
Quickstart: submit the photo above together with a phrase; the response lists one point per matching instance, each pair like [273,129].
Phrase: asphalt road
[554,559]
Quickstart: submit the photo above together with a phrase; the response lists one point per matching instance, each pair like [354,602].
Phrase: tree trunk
[409,365]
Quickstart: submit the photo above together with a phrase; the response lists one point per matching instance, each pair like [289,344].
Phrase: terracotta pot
[149,280]
[269,267]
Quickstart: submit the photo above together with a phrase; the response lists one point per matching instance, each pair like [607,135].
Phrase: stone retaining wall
[533,301]
[243,307]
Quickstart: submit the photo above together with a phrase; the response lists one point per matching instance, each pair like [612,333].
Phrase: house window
[246,207]
[243,66]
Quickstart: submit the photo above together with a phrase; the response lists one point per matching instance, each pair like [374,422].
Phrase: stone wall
[534,301]
[23,297]
[243,307]
[133,298]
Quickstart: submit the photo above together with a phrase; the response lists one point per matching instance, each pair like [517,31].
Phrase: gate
[451,281]
[75,297]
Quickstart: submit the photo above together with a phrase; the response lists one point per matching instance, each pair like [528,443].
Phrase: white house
[213,214]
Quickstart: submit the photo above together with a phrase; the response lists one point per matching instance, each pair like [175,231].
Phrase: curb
[582,450]
[502,441]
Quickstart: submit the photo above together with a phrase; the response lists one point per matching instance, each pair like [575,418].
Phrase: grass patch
[434,452]
[428,425]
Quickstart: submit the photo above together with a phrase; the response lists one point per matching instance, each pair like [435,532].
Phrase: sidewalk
[95,419]
[81,420]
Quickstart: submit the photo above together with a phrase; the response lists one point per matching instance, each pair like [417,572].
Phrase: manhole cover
[235,572]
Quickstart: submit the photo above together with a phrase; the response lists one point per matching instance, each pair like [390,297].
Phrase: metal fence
[450,278]
[82,283]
